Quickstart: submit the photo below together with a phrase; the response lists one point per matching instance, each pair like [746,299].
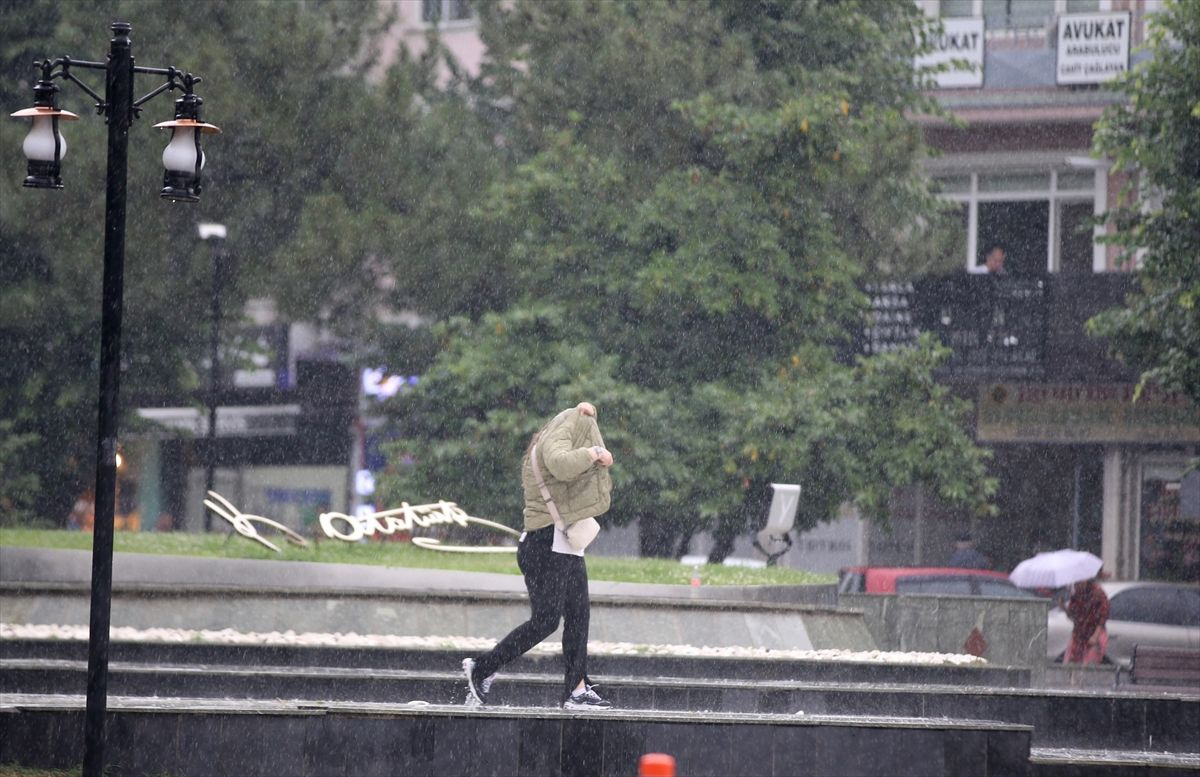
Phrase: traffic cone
[656,765]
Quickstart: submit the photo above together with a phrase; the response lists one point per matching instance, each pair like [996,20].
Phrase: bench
[1165,666]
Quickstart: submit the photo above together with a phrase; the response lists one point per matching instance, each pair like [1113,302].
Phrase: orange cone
[656,765]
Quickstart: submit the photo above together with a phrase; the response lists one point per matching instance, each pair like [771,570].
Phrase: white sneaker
[587,699]
[477,690]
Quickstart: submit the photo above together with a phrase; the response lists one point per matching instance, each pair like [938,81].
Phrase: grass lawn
[402,554]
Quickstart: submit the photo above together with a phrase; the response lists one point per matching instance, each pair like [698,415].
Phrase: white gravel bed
[351,639]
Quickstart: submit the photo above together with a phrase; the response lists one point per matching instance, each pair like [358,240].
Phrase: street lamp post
[45,148]
[216,234]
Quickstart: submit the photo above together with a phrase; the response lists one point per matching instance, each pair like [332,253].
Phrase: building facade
[1079,461]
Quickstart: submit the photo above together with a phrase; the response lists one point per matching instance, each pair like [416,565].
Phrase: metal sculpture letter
[244,522]
[349,528]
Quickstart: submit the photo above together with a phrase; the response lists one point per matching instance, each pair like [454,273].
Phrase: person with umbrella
[1088,605]
[1088,610]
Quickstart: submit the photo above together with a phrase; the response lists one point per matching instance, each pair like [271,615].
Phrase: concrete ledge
[1059,719]
[1014,629]
[50,565]
[490,615]
[186,737]
[624,665]
[1059,762]
[41,586]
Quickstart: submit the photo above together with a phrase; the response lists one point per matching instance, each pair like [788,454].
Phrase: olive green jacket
[581,488]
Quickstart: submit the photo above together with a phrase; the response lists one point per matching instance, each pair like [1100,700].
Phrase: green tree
[18,483]
[1154,133]
[699,190]
[283,80]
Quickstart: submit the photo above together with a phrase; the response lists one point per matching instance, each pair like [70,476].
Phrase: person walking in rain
[566,483]
[1088,611]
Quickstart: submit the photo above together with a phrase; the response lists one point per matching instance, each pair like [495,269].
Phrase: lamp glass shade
[39,143]
[180,154]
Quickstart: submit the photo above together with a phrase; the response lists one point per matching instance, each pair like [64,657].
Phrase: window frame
[444,22]
[934,8]
[1052,163]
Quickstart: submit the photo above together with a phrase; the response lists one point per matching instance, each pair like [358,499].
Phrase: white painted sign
[961,39]
[828,547]
[1092,47]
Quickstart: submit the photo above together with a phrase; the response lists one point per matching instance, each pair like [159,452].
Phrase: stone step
[1154,722]
[1073,762]
[626,665]
[186,737]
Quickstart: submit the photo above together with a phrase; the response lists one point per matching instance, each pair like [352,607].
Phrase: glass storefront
[1169,537]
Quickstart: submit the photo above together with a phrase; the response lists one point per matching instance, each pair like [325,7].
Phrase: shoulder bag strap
[537,474]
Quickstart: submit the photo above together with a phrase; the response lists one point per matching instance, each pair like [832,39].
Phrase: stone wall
[1014,629]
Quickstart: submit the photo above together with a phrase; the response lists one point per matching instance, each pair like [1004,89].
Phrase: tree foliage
[281,80]
[1155,135]
[664,208]
[699,188]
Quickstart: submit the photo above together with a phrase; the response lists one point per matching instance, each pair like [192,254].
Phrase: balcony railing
[1029,327]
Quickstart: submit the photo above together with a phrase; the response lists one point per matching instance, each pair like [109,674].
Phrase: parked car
[951,581]
[1142,613]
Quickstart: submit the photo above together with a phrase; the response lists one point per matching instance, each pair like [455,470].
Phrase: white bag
[581,533]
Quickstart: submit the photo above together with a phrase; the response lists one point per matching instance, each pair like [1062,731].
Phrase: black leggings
[558,589]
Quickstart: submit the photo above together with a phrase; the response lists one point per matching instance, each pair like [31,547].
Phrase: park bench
[1164,666]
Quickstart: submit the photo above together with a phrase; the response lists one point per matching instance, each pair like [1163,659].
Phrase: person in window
[994,259]
[572,460]
[1088,610]
[966,556]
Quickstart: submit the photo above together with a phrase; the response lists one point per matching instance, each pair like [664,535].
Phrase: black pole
[218,278]
[119,112]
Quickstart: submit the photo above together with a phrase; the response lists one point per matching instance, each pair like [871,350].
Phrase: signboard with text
[961,39]
[1092,47]
[1084,413]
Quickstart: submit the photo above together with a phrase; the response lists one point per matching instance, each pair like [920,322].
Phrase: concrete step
[1059,719]
[1074,762]
[188,737]
[626,665]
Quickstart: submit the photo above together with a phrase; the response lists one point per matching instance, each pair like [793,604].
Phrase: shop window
[1170,529]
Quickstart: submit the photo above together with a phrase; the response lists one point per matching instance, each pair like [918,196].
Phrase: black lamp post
[214,233]
[45,149]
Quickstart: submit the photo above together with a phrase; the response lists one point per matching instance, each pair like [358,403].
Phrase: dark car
[946,581]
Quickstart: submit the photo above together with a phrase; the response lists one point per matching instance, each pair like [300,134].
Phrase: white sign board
[1092,47]
[828,547]
[961,39]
